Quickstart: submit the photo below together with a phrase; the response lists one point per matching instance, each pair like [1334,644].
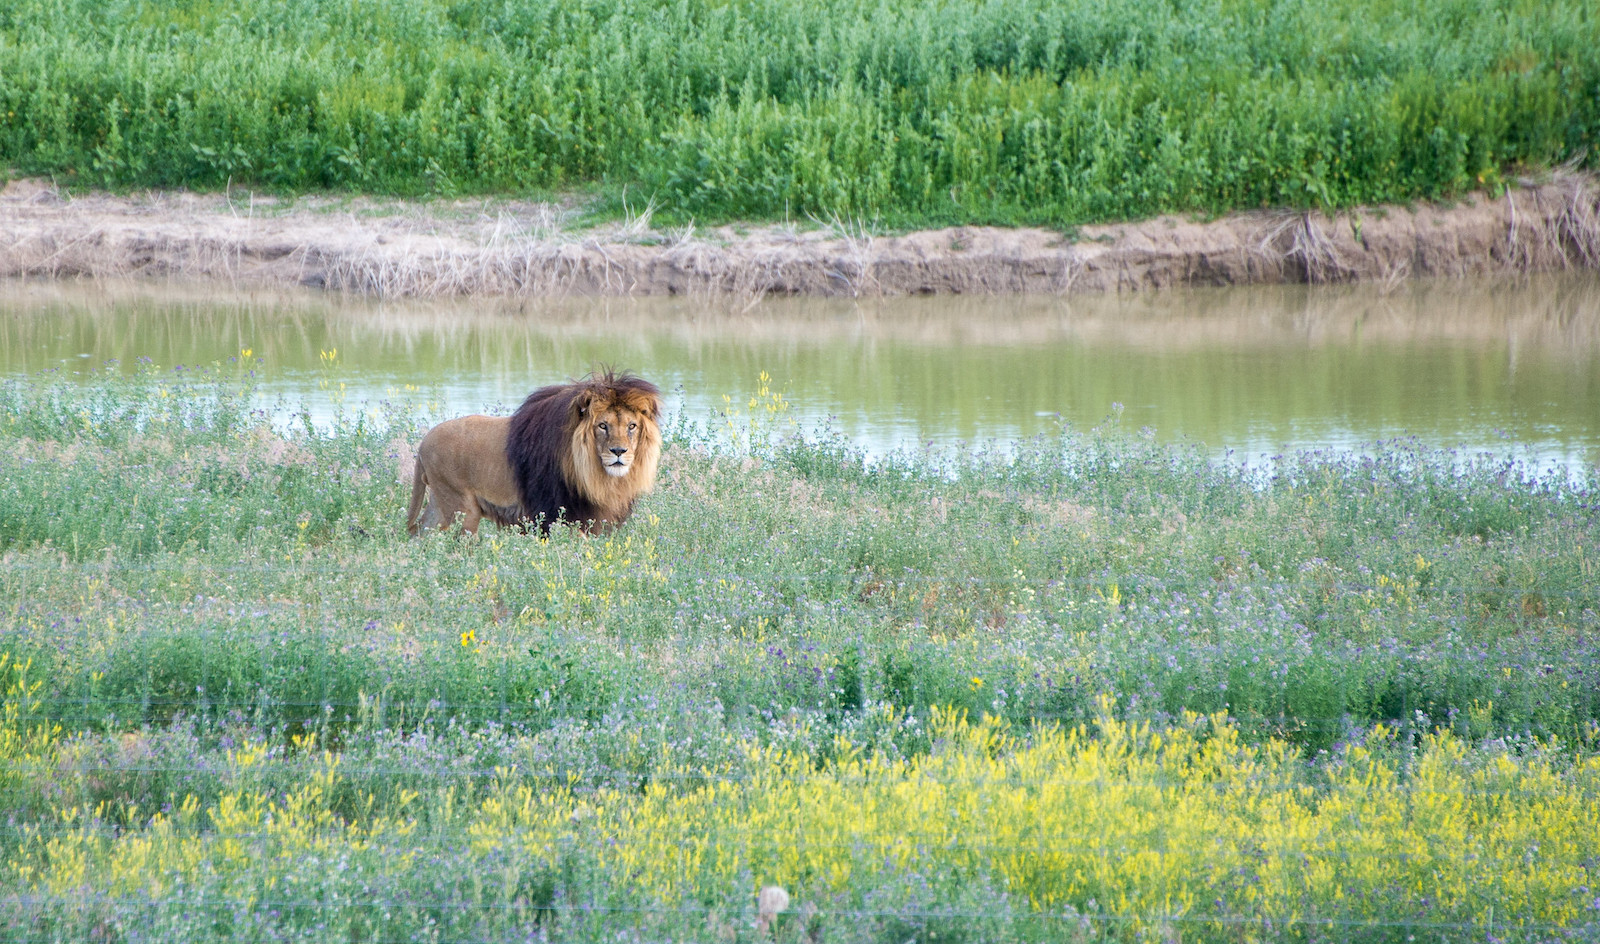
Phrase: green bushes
[907,111]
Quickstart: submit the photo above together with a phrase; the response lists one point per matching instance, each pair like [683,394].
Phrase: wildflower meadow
[1087,687]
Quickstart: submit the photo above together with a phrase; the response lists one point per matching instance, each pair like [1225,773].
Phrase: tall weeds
[903,111]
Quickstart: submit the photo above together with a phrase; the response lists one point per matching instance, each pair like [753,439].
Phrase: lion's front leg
[470,515]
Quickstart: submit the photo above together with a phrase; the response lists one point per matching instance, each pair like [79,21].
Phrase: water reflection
[1487,365]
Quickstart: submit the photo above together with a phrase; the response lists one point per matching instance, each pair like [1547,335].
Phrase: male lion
[580,452]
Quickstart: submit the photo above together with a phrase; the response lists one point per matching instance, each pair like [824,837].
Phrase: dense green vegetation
[754,681]
[907,111]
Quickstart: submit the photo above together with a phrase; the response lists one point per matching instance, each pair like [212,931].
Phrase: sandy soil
[504,247]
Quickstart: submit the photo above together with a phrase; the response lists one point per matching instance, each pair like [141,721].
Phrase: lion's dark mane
[541,432]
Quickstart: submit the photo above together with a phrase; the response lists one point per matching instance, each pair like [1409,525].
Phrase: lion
[580,452]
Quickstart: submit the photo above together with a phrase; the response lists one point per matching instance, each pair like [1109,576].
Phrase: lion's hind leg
[419,488]
[444,506]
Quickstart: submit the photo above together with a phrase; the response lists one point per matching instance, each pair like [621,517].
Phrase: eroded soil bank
[503,247]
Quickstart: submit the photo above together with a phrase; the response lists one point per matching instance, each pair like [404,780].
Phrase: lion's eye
[604,427]
[632,427]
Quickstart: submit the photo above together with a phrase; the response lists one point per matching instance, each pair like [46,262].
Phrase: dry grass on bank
[436,250]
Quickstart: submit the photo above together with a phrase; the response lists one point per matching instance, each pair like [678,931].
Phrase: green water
[1504,366]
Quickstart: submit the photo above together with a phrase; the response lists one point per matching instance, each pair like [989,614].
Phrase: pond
[1506,366]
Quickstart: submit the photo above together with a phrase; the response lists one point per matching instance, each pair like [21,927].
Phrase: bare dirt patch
[511,248]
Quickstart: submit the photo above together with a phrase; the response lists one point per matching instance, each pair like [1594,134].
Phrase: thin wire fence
[703,912]
[1421,850]
[512,773]
[1231,583]
[526,723]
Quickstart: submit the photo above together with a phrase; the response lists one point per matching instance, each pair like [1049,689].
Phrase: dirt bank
[503,247]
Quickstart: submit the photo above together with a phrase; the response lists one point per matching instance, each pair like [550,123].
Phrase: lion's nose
[618,450]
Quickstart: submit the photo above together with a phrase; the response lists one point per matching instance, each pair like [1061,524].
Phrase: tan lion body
[580,452]
[463,462]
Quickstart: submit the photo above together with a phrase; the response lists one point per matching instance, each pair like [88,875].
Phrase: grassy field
[905,112]
[1097,689]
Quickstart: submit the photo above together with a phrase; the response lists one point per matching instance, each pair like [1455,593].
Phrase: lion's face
[616,442]
[616,432]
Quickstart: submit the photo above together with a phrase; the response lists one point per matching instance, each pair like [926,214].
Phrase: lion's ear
[581,401]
